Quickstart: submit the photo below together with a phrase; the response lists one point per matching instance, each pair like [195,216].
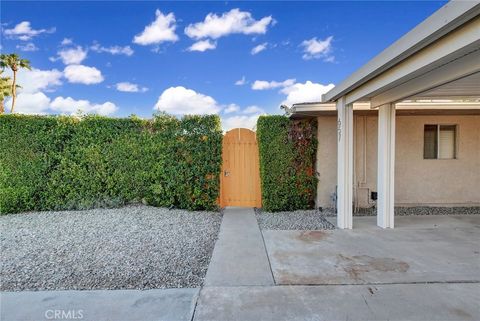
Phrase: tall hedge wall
[287,162]
[53,163]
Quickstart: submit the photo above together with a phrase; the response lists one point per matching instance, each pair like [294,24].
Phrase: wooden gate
[240,177]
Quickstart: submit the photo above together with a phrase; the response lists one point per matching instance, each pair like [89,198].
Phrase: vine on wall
[287,150]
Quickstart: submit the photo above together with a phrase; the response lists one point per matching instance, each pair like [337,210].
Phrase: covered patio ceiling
[465,88]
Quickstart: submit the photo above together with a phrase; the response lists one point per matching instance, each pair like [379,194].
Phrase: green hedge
[287,162]
[29,149]
[53,163]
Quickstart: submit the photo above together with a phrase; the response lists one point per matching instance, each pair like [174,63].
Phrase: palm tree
[5,90]
[14,62]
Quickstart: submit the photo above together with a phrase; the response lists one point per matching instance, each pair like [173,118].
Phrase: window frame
[455,140]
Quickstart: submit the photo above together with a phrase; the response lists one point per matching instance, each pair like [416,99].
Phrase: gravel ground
[417,210]
[296,220]
[135,247]
[424,210]
[315,220]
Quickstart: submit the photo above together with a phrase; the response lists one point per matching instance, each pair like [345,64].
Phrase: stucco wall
[326,160]
[418,181]
[365,151]
[437,181]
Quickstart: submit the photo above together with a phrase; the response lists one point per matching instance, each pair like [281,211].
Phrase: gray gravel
[424,210]
[296,220]
[135,247]
[415,210]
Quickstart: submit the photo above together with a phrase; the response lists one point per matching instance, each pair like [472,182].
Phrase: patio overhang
[438,59]
[403,108]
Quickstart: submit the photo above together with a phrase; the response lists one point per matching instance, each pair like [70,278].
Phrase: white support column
[386,166]
[344,164]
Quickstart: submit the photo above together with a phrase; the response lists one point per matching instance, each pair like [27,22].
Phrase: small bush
[287,152]
[52,163]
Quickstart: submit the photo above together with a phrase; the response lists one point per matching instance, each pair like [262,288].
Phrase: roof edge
[444,20]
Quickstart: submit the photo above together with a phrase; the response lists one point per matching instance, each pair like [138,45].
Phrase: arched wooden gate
[240,177]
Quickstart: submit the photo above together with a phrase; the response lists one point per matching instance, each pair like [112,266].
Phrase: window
[439,141]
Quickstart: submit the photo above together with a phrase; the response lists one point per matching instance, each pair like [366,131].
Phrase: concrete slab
[383,302]
[420,221]
[118,305]
[332,219]
[239,256]
[376,256]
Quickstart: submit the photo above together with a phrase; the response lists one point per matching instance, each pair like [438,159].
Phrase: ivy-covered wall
[287,162]
[53,163]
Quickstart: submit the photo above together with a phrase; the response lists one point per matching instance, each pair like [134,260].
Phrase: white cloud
[72,56]
[35,80]
[114,50]
[234,21]
[180,100]
[253,110]
[241,82]
[23,31]
[242,121]
[257,49]
[247,118]
[39,103]
[329,59]
[203,45]
[129,87]
[307,92]
[264,85]
[30,103]
[66,41]
[157,49]
[314,49]
[231,109]
[71,106]
[31,98]
[27,47]
[161,30]
[83,74]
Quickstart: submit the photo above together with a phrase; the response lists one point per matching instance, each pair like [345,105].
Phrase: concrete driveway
[393,302]
[427,268]
[420,249]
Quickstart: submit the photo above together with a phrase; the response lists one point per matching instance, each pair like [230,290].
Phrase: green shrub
[99,165]
[186,173]
[49,162]
[29,151]
[287,152]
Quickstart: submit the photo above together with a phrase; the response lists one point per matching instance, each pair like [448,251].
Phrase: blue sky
[118,57]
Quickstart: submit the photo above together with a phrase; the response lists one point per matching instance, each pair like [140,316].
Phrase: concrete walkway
[239,256]
[115,305]
[394,302]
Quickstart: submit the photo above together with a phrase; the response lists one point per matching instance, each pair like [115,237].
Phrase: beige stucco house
[405,126]
[437,153]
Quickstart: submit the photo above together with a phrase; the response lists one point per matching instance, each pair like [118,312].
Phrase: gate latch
[226,173]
